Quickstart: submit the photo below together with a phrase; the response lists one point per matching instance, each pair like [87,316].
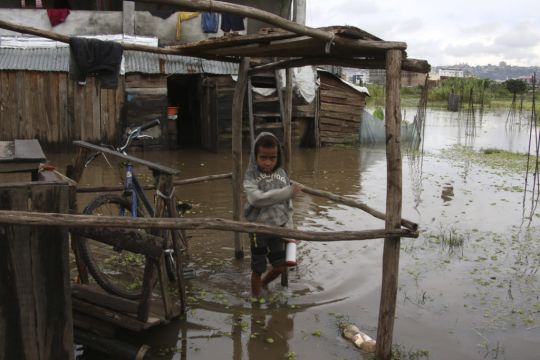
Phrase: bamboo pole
[354,203]
[387,308]
[287,122]
[238,107]
[278,21]
[412,65]
[92,189]
[135,47]
[81,221]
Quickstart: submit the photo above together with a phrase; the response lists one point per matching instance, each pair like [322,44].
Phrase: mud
[468,286]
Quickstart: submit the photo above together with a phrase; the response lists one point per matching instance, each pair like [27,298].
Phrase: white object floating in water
[360,339]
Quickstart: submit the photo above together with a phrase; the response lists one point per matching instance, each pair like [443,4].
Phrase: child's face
[267,158]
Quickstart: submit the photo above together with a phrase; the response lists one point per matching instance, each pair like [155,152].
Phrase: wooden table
[21,156]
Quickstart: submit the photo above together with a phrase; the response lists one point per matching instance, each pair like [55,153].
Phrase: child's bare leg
[271,275]
[256,284]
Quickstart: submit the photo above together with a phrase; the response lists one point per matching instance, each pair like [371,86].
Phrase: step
[275,125]
[266,99]
[266,114]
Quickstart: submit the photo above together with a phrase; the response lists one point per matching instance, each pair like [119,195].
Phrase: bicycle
[102,260]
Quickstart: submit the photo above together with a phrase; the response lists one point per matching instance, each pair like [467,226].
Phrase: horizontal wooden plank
[338,129]
[147,91]
[150,165]
[336,99]
[341,108]
[340,115]
[119,319]
[97,296]
[146,81]
[338,122]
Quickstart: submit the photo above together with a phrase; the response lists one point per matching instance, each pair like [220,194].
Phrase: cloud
[519,37]
[443,33]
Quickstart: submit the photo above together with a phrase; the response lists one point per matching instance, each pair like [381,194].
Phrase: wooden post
[387,307]
[238,106]
[75,172]
[316,119]
[165,188]
[287,143]
[35,299]
[287,121]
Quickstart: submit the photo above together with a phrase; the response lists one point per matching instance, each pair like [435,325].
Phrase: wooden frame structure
[293,45]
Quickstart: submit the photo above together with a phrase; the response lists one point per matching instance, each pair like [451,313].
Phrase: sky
[476,32]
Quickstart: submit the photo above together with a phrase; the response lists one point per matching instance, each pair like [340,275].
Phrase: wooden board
[35,322]
[340,116]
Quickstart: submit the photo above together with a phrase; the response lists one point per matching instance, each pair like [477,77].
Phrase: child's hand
[297,189]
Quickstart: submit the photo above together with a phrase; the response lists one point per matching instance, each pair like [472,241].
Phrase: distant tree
[515,86]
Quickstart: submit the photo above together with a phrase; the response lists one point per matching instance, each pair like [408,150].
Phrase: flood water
[468,286]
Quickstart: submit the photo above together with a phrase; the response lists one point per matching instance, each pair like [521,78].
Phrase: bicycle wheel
[118,272]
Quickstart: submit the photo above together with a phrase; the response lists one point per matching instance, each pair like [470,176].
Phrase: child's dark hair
[267,141]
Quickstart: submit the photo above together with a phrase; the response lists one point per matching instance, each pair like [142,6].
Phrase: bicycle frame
[135,191]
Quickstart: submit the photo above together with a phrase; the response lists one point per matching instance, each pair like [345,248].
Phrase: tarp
[372,130]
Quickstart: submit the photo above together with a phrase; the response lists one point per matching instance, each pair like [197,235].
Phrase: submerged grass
[492,158]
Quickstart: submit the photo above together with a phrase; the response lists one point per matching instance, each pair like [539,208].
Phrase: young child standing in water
[268,192]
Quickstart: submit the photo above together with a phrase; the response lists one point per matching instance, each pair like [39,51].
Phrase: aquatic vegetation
[491,158]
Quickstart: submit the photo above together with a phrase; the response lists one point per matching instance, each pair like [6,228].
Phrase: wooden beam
[81,221]
[92,189]
[238,106]
[387,308]
[412,65]
[144,48]
[275,20]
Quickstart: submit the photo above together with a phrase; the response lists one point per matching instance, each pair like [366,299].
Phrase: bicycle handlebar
[136,133]
[149,125]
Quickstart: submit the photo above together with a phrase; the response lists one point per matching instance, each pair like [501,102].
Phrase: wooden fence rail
[82,221]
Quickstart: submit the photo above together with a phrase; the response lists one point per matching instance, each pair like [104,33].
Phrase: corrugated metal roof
[57,59]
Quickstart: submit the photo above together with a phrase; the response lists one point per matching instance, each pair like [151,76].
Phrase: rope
[163,196]
[329,43]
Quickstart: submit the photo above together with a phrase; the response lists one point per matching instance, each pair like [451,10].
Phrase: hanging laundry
[57,16]
[92,56]
[210,21]
[163,14]
[230,22]
[183,16]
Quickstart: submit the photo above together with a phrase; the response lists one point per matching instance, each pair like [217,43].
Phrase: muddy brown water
[468,286]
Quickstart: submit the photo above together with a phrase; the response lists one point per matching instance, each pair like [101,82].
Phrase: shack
[341,104]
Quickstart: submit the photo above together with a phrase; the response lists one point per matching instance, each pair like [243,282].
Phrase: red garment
[57,16]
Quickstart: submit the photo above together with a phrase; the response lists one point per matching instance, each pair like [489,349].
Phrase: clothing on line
[230,22]
[57,16]
[210,22]
[183,16]
[93,56]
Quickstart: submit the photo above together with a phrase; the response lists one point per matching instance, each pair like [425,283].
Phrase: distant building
[446,73]
[526,79]
[377,76]
[359,77]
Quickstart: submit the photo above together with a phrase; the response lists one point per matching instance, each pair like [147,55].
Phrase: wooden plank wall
[146,100]
[35,296]
[340,111]
[50,107]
